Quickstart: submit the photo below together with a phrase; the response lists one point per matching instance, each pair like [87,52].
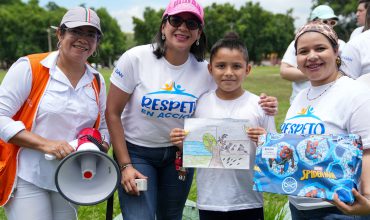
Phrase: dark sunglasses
[330,22]
[176,21]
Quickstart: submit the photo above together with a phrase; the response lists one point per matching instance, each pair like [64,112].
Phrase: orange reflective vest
[27,113]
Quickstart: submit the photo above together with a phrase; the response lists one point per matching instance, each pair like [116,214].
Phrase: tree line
[26,28]
[262,31]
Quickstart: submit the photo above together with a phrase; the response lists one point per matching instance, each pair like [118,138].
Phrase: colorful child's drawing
[216,143]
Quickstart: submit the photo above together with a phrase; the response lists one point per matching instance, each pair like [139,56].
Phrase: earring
[163,37]
[338,61]
[58,44]
[95,53]
[197,42]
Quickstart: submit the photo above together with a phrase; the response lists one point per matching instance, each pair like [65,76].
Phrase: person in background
[153,89]
[45,100]
[288,67]
[356,56]
[226,193]
[361,17]
[365,78]
[327,102]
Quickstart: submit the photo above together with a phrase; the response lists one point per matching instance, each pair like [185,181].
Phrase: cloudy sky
[124,10]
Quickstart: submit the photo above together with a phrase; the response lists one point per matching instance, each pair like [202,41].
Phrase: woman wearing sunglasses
[154,88]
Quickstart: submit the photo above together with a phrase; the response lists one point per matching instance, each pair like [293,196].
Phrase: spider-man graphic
[311,150]
[316,193]
[286,154]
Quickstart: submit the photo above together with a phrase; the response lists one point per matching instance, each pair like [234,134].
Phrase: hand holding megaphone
[58,149]
[88,175]
[87,139]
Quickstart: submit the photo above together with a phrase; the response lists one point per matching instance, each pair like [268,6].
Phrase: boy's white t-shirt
[342,109]
[356,56]
[227,189]
[162,95]
[291,58]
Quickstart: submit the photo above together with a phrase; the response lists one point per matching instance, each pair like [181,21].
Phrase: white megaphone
[87,176]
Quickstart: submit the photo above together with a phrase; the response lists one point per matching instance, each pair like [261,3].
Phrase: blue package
[315,166]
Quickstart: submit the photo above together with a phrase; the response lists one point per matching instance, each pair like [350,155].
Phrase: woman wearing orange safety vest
[45,100]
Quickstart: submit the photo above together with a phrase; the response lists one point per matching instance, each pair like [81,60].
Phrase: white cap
[323,12]
[80,16]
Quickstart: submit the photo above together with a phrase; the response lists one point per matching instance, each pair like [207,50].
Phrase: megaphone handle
[49,157]
[96,142]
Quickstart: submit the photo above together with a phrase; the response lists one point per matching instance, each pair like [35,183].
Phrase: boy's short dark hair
[231,40]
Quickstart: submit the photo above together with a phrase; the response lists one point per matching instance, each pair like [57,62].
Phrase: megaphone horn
[87,176]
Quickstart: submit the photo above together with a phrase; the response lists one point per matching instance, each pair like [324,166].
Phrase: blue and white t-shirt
[340,107]
[162,95]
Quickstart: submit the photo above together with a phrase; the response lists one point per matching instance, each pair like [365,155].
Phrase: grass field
[262,79]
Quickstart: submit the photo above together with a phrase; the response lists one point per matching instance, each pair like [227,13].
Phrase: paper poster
[216,143]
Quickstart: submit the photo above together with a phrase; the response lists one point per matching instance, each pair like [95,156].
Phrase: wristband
[124,166]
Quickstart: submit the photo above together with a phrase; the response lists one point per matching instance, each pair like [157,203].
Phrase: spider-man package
[314,166]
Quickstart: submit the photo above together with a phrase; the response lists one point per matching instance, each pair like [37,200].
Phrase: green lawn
[262,79]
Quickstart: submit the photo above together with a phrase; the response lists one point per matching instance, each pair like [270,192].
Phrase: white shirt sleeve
[364,79]
[356,32]
[14,90]
[123,75]
[358,124]
[266,121]
[342,44]
[351,61]
[290,56]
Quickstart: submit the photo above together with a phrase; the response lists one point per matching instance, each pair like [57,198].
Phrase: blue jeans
[329,213]
[166,195]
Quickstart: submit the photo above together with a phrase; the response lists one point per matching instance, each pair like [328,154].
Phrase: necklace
[327,88]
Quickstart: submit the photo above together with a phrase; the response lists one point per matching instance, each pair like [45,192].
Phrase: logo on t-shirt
[305,122]
[171,101]
[117,72]
[347,58]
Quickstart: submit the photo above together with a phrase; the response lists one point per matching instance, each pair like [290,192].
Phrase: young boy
[225,193]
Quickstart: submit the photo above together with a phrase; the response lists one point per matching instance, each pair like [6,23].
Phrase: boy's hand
[269,104]
[253,133]
[177,136]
